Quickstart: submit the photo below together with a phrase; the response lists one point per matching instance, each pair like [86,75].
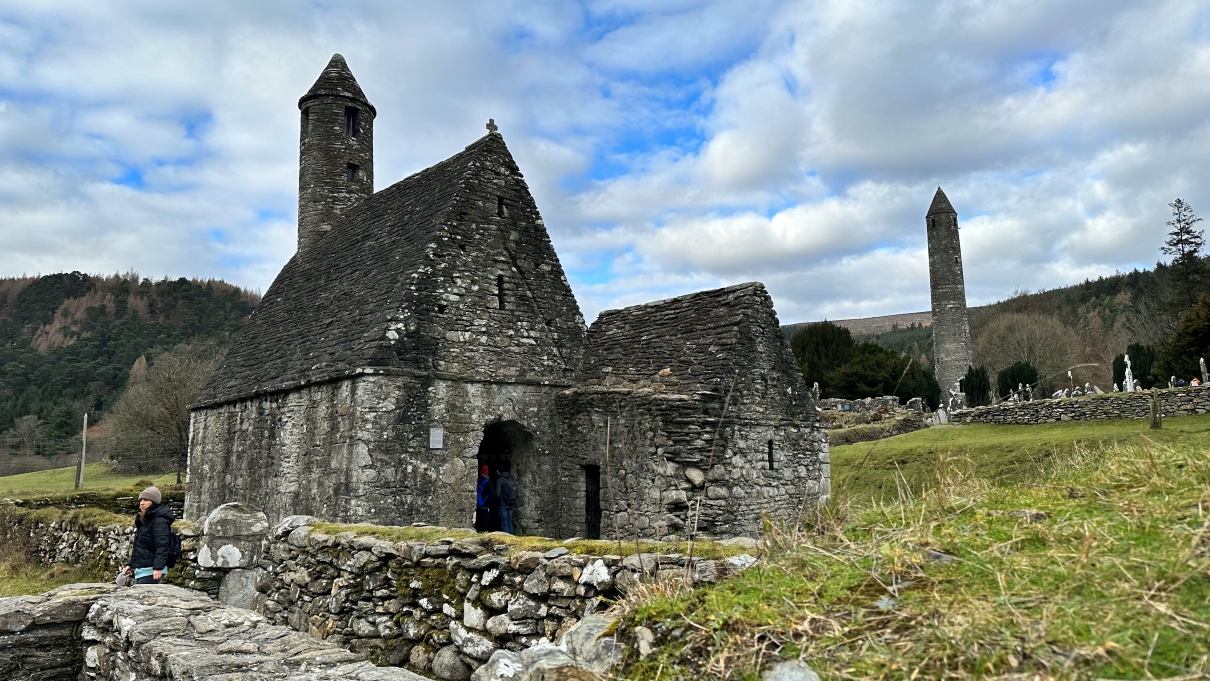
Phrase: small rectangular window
[771,466]
[501,210]
[592,502]
[500,291]
[350,122]
[351,172]
[306,122]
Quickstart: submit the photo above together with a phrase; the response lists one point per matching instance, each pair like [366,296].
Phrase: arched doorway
[505,448]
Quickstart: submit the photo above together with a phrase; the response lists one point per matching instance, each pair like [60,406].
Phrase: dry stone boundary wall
[442,607]
[1136,405]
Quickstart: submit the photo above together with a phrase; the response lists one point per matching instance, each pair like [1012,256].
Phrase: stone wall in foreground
[101,632]
[441,607]
[446,605]
[1136,405]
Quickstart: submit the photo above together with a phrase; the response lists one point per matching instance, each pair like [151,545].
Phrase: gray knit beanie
[152,494]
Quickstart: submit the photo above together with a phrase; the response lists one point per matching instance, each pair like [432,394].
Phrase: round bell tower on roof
[337,81]
[336,151]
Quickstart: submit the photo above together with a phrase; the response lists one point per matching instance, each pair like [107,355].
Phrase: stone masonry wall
[1136,405]
[411,603]
[660,463]
[360,449]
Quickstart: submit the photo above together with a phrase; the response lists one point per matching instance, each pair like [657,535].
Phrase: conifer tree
[1184,244]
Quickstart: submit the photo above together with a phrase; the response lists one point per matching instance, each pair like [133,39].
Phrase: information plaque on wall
[436,437]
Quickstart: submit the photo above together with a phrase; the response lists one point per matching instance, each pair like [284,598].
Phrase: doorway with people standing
[497,493]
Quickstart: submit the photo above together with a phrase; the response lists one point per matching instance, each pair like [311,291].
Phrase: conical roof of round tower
[941,204]
[337,81]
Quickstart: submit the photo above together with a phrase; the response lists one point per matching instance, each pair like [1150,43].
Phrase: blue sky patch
[1044,75]
[133,178]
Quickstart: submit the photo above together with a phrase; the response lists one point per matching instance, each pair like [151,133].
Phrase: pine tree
[1184,244]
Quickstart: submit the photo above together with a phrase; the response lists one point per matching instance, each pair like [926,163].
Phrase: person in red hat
[485,502]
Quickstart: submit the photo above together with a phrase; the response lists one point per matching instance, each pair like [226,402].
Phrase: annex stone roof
[697,340]
[337,81]
[331,310]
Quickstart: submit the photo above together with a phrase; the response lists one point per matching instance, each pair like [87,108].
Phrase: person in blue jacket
[485,501]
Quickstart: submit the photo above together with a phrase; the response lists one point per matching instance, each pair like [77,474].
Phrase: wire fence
[143,455]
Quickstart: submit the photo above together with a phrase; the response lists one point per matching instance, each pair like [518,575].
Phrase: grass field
[1096,566]
[97,476]
[19,577]
[1005,454]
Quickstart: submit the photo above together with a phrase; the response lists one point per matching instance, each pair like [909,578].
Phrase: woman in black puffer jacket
[152,539]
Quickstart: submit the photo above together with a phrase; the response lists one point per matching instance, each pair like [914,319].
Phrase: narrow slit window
[500,291]
[501,210]
[771,464]
[351,172]
[306,122]
[350,122]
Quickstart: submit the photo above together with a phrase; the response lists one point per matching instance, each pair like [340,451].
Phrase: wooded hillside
[68,341]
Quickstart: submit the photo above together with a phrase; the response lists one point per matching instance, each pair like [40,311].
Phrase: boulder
[474,645]
[448,665]
[473,617]
[504,665]
[288,524]
[232,536]
[547,662]
[538,582]
[238,588]
[792,670]
[588,645]
[596,575]
[740,562]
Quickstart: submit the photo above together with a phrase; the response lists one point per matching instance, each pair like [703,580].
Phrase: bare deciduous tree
[1042,340]
[150,420]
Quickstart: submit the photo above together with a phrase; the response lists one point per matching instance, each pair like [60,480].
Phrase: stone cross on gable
[491,125]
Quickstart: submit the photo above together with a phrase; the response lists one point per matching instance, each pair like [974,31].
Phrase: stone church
[427,329]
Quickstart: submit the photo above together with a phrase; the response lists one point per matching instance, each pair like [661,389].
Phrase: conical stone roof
[337,81]
[941,204]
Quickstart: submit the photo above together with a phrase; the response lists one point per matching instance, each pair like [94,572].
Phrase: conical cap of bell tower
[337,80]
[941,204]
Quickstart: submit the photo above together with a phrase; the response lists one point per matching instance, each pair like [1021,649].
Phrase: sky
[671,146]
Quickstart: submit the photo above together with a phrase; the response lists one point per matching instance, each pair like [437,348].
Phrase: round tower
[336,151]
[951,328]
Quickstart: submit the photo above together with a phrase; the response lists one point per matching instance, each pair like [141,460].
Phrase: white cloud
[671,147]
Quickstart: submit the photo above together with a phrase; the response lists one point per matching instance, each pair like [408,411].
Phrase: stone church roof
[697,340]
[338,307]
[337,81]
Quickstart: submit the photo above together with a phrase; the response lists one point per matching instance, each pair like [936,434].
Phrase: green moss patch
[591,547]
